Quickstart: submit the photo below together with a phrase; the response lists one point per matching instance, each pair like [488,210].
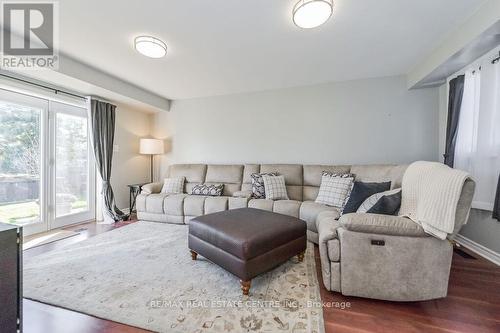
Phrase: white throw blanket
[430,193]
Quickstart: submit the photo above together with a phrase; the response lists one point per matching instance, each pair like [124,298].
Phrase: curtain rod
[56,91]
[494,61]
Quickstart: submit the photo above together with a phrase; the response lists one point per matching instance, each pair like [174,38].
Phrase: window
[478,138]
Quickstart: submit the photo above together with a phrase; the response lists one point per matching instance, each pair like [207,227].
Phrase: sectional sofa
[366,255]
[302,182]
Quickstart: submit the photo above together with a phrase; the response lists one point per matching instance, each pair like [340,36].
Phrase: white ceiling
[221,47]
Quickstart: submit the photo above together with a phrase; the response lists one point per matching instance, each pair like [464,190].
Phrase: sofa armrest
[151,188]
[243,194]
[381,224]
[327,229]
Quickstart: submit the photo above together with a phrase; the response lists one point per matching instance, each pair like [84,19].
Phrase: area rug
[142,275]
[46,238]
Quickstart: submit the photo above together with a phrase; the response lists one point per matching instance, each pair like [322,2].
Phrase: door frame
[42,104]
[56,107]
[48,220]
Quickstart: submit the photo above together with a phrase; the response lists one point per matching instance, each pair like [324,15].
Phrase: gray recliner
[387,257]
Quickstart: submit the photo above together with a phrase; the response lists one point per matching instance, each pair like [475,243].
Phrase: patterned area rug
[142,275]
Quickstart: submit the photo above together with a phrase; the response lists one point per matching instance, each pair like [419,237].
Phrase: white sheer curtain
[478,140]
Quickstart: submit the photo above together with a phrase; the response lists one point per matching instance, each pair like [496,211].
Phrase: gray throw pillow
[210,190]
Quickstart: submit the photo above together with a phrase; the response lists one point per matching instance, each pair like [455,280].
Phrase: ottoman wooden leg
[193,254]
[245,286]
[300,256]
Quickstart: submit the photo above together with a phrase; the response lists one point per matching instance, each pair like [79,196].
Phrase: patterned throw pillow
[275,187]
[372,200]
[334,189]
[173,185]
[258,190]
[210,190]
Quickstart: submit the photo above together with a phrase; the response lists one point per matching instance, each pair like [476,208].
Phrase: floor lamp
[151,147]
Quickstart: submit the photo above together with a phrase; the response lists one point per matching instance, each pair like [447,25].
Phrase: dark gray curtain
[102,118]
[496,203]
[454,104]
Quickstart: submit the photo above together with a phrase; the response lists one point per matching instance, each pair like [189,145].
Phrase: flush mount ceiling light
[312,13]
[150,46]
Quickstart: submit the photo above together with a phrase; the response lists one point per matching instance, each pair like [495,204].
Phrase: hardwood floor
[472,305]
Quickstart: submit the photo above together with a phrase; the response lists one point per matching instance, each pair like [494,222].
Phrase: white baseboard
[483,251]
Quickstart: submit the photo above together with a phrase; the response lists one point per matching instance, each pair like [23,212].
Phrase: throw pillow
[275,187]
[210,190]
[334,189]
[360,192]
[386,203]
[173,185]
[258,190]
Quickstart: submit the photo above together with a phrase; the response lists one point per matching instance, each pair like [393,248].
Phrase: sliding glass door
[73,169]
[47,175]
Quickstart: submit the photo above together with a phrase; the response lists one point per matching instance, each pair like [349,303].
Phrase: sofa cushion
[248,170]
[309,211]
[287,207]
[154,202]
[173,204]
[242,194]
[194,205]
[229,175]
[312,178]
[380,173]
[263,204]
[194,174]
[381,224]
[215,204]
[275,188]
[293,177]
[313,173]
[235,203]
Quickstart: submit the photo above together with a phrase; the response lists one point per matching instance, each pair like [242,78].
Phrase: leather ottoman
[247,241]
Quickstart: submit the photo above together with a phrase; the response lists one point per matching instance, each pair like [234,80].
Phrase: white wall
[129,166]
[364,121]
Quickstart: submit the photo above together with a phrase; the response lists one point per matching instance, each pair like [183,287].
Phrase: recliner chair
[387,257]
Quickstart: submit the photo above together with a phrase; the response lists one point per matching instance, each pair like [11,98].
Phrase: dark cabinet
[11,255]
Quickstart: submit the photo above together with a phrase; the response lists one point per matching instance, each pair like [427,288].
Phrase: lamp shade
[151,146]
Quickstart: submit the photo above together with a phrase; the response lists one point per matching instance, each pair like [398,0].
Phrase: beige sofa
[387,257]
[302,182]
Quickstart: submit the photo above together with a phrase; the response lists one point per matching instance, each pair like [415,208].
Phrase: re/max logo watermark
[30,35]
